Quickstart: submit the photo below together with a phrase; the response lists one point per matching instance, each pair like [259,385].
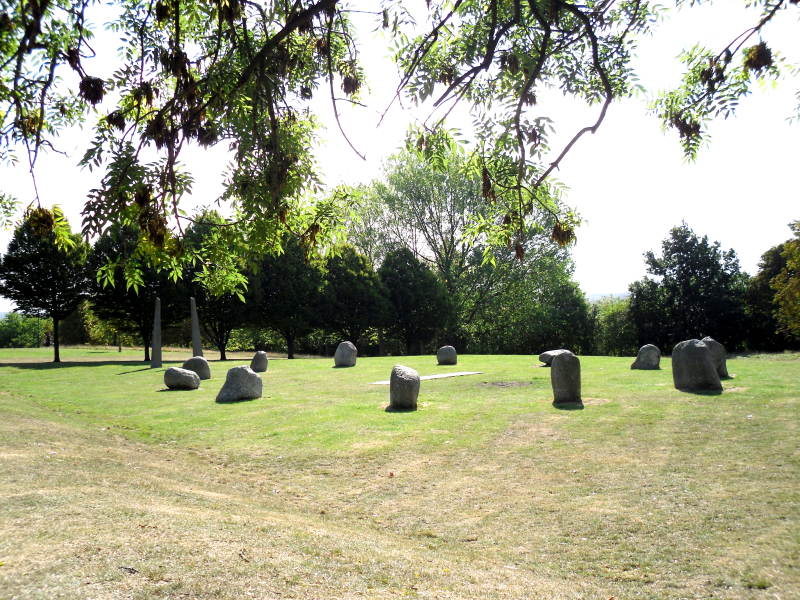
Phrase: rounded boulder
[446,355]
[718,355]
[241,383]
[199,365]
[176,378]
[648,358]
[693,368]
[260,362]
[345,355]
[547,357]
[403,388]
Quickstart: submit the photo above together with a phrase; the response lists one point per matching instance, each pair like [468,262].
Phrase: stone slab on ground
[439,376]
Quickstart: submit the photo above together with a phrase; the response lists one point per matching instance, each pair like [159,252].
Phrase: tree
[19,331]
[353,296]
[787,285]
[419,300]
[699,291]
[244,74]
[41,278]
[286,294]
[219,312]
[129,305]
[761,307]
[615,333]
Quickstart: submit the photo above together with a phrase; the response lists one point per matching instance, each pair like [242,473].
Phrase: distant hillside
[596,297]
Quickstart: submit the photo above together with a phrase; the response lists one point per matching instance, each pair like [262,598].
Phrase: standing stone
[565,378]
[693,368]
[547,357]
[199,365]
[197,346]
[260,362]
[181,379]
[446,355]
[648,358]
[345,355]
[403,388]
[718,355]
[155,339]
[241,383]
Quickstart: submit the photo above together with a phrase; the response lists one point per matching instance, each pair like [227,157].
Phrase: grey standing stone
[648,358]
[181,379]
[260,362]
[197,346]
[403,388]
[547,357]
[241,383]
[155,339]
[719,355]
[345,355]
[199,365]
[693,367]
[446,355]
[565,377]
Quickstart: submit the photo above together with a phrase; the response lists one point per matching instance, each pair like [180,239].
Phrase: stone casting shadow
[175,390]
[223,402]
[702,392]
[568,406]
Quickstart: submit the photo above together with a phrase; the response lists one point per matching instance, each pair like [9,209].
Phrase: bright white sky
[629,182]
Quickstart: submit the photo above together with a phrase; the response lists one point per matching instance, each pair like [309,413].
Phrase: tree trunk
[289,346]
[56,353]
[222,352]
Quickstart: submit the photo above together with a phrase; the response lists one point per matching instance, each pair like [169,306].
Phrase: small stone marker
[547,357]
[693,368]
[155,339]
[199,365]
[345,355]
[565,377]
[197,346]
[181,379]
[241,383]
[648,358]
[260,362]
[403,388]
[446,355]
[719,355]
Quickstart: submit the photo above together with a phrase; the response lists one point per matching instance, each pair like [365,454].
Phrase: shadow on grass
[177,390]
[391,409]
[239,401]
[40,366]
[701,392]
[568,405]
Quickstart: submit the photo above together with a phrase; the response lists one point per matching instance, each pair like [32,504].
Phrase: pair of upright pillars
[155,355]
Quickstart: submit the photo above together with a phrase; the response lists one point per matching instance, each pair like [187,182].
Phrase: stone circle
[345,355]
[403,388]
[446,355]
[199,365]
[241,383]
[260,362]
[176,378]
[565,377]
[693,367]
[648,358]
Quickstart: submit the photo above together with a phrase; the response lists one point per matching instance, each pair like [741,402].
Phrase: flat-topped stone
[547,357]
[693,368]
[176,378]
[199,365]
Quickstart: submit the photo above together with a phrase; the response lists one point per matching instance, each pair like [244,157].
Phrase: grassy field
[112,487]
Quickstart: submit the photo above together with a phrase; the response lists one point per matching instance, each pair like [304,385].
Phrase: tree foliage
[19,331]
[42,277]
[420,304]
[787,285]
[697,290]
[244,75]
[615,332]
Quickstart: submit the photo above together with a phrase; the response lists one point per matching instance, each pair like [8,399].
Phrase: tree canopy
[245,75]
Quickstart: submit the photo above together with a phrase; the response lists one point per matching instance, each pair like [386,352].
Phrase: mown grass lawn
[113,487]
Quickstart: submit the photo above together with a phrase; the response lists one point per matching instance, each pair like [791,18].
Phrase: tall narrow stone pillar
[155,339]
[197,348]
